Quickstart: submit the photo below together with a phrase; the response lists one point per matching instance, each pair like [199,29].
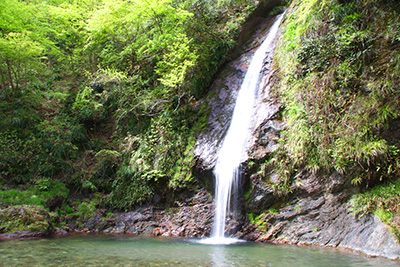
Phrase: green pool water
[111,250]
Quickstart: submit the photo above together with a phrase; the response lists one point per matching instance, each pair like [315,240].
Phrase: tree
[20,50]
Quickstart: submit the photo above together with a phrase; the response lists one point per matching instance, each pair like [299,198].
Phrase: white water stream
[234,148]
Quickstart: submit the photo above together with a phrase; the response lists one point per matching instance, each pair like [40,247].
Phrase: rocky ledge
[318,212]
[191,218]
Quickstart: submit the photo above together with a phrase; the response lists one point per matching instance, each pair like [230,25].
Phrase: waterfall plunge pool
[120,250]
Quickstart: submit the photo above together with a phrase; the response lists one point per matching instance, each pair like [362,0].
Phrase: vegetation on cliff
[339,68]
[97,97]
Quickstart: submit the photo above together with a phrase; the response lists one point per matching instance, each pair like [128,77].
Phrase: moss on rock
[25,218]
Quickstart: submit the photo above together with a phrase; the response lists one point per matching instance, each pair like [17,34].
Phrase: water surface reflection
[109,250]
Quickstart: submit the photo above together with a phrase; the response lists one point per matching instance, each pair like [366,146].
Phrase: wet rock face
[318,212]
[221,103]
[266,138]
[140,221]
[257,19]
[190,221]
[191,218]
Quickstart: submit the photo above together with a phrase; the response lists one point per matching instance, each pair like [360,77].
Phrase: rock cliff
[318,210]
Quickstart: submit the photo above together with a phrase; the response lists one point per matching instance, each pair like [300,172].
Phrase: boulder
[25,221]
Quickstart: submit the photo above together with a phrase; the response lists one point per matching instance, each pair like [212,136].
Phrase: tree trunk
[9,72]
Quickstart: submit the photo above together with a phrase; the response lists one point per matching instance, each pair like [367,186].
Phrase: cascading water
[234,148]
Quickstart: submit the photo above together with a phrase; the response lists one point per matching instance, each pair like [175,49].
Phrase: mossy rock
[25,218]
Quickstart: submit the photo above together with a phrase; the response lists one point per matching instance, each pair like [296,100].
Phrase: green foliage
[18,197]
[273,211]
[78,78]
[87,208]
[261,220]
[384,196]
[143,34]
[385,216]
[44,149]
[16,152]
[161,157]
[39,195]
[20,47]
[129,188]
[158,149]
[81,210]
[383,201]
[86,104]
[338,91]
[175,62]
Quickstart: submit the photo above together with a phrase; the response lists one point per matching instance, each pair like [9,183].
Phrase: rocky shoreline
[316,220]
[317,212]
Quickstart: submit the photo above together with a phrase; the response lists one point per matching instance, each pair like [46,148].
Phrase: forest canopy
[97,96]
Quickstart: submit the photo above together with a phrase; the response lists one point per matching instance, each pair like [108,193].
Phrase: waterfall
[234,148]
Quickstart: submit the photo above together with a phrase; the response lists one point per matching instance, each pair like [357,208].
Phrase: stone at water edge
[25,221]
